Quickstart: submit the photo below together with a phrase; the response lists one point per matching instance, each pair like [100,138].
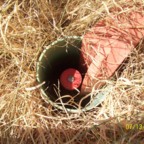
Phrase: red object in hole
[70,79]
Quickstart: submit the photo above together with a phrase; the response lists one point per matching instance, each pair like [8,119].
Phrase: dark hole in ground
[59,57]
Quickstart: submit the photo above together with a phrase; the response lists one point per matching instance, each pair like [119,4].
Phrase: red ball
[70,79]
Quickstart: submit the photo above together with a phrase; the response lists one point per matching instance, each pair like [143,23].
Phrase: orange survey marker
[107,44]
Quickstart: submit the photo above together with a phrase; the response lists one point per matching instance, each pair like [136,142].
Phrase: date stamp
[134,127]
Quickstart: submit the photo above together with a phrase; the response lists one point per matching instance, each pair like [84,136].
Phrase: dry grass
[25,27]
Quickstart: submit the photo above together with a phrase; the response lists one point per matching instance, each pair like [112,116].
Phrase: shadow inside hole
[56,58]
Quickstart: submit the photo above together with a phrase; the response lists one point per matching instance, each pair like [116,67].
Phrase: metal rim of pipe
[98,97]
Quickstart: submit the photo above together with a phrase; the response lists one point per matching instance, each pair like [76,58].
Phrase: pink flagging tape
[107,44]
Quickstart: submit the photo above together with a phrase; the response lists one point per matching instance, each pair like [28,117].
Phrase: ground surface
[25,28]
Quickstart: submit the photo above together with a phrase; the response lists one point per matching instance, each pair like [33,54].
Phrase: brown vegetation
[26,26]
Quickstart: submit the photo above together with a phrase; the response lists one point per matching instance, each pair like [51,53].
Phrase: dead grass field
[26,26]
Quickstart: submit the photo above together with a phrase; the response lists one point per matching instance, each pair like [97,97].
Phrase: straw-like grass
[25,28]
